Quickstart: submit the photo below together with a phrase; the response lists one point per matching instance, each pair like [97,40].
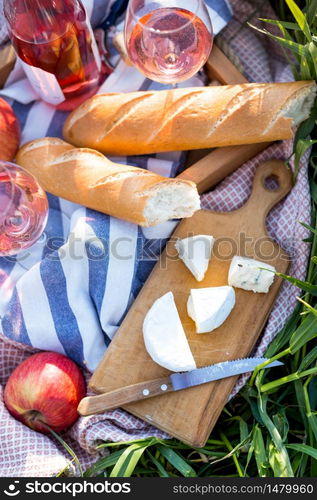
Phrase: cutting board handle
[220,163]
[272,181]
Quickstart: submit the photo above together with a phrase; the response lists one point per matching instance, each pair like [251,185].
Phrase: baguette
[87,177]
[191,118]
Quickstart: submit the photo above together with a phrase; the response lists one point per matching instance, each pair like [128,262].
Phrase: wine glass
[23,209]
[167,41]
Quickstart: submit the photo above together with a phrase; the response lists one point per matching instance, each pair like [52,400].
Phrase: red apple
[47,387]
[9,132]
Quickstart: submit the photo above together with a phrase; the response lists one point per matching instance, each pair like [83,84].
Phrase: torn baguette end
[167,201]
[300,105]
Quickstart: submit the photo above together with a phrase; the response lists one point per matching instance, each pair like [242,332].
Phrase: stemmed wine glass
[23,209]
[167,41]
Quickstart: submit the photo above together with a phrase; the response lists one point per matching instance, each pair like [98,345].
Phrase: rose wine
[169,44]
[23,209]
[56,45]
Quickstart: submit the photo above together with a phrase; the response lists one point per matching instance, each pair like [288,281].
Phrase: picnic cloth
[104,289]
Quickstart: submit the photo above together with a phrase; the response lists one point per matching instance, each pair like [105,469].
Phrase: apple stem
[33,416]
[66,446]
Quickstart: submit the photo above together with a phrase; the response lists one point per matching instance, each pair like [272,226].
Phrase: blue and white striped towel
[70,292]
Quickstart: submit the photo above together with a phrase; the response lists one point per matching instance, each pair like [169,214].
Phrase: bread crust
[87,177]
[181,119]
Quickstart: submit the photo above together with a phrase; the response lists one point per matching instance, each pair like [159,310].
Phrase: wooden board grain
[221,69]
[190,415]
[216,165]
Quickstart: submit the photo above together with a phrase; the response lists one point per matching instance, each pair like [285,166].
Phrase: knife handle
[119,397]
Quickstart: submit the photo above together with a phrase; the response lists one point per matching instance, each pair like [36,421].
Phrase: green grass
[270,428]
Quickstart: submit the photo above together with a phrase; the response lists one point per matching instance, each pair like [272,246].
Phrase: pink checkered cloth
[25,453]
[3,29]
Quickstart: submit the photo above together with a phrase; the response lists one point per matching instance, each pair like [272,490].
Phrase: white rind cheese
[164,336]
[247,274]
[210,307]
[195,252]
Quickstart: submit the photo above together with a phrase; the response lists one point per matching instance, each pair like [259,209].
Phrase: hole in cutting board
[272,183]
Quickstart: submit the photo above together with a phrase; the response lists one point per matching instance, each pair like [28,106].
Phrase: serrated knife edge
[217,371]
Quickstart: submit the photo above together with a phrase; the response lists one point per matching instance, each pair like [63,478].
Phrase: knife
[174,382]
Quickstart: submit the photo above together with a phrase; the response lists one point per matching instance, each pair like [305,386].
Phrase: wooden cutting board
[190,414]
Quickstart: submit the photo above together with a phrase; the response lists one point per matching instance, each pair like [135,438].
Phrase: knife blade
[92,405]
[216,372]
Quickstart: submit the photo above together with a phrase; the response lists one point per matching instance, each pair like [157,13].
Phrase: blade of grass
[286,470]
[281,24]
[289,378]
[282,27]
[162,472]
[285,334]
[232,453]
[300,18]
[303,285]
[302,145]
[308,359]
[312,389]
[103,464]
[313,52]
[306,331]
[306,127]
[66,447]
[303,464]
[310,228]
[276,461]
[303,448]
[244,430]
[258,369]
[301,405]
[305,72]
[177,461]
[312,420]
[311,416]
[311,9]
[249,457]
[128,460]
[296,48]
[281,423]
[260,452]
[123,443]
[296,463]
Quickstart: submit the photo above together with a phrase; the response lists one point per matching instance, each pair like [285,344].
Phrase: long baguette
[87,177]
[192,118]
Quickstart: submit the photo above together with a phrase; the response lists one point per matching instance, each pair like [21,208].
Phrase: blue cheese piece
[164,336]
[210,307]
[195,252]
[249,274]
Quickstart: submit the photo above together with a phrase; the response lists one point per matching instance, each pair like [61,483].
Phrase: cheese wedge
[164,336]
[195,252]
[247,274]
[210,307]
